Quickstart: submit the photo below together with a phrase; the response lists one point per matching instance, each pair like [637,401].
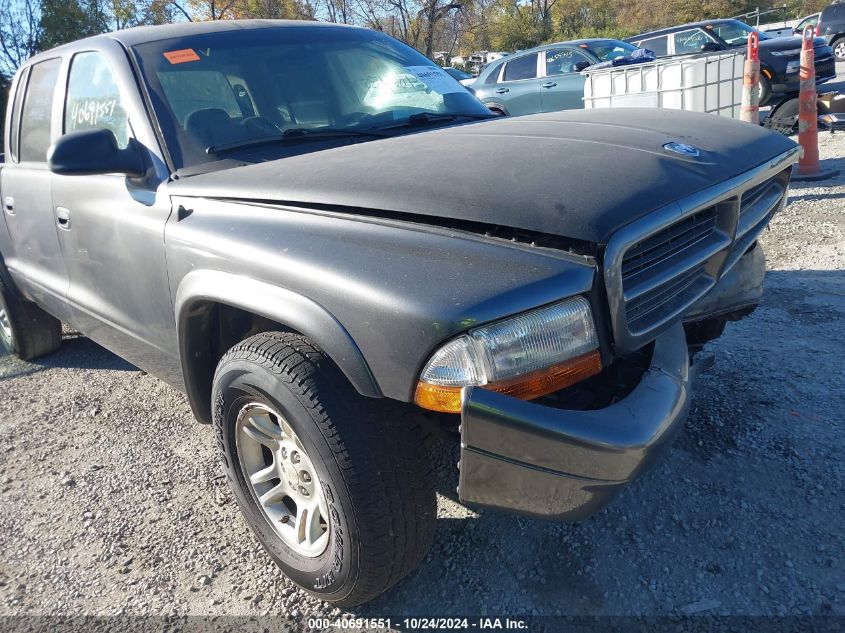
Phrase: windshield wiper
[295,134]
[425,118]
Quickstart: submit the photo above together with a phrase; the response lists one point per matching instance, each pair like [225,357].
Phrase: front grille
[666,270]
[757,203]
[657,268]
[825,68]
[754,194]
[665,298]
[660,248]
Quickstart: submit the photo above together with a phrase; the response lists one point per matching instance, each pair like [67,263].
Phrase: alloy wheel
[5,326]
[282,479]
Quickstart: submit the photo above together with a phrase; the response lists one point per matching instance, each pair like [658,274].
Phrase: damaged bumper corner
[738,291]
[566,465]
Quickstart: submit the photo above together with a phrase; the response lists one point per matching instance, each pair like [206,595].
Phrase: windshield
[733,32]
[229,88]
[610,49]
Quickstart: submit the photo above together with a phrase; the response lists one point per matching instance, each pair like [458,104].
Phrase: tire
[371,467]
[784,118]
[838,46]
[26,331]
[765,89]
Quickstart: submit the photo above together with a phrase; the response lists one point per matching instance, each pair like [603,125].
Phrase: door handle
[550,84]
[501,91]
[9,205]
[63,218]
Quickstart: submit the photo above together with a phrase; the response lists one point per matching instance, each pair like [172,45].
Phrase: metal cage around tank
[704,82]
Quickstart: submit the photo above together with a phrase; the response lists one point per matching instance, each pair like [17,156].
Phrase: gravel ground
[112,501]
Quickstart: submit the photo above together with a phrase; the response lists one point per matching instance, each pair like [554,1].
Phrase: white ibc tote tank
[708,82]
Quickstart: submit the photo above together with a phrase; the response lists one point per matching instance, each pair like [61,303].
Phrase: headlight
[787,53]
[526,356]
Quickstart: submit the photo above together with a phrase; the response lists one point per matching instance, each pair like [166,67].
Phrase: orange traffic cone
[750,109]
[808,125]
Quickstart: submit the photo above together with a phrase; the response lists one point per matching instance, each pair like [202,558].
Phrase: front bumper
[566,465]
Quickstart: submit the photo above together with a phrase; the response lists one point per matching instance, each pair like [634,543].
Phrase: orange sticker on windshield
[182,56]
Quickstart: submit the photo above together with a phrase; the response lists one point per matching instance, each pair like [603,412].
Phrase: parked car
[544,79]
[831,26]
[779,57]
[300,225]
[464,78]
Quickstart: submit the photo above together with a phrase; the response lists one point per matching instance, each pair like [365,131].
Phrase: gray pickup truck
[300,225]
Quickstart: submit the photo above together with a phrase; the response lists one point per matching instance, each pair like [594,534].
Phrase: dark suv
[779,57]
[831,26]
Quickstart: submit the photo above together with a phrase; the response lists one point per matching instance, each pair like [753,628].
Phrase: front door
[36,261]
[563,87]
[112,234]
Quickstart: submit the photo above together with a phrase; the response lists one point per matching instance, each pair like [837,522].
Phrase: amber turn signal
[527,387]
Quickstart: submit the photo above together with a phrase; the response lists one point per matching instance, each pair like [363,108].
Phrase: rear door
[563,88]
[113,236]
[519,86]
[36,261]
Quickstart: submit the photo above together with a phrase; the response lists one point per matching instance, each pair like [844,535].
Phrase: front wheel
[338,491]
[839,49]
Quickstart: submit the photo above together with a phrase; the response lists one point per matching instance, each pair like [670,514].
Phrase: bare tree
[434,11]
[20,33]
[338,11]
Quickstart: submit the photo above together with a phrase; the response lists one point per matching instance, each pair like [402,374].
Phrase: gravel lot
[112,501]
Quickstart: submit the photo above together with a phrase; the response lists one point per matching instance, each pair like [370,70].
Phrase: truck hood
[580,174]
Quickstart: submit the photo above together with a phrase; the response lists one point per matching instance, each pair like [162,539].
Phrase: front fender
[288,308]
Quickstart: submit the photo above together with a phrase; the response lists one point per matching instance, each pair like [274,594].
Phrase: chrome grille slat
[659,266]
[651,301]
[668,242]
[636,286]
[755,193]
[757,203]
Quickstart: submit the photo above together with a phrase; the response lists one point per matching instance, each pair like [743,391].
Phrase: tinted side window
[656,44]
[16,114]
[37,111]
[93,100]
[521,68]
[563,60]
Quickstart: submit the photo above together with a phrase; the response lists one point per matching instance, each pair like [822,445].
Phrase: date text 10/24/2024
[420,623]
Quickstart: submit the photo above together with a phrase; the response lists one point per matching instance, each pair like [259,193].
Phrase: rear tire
[361,468]
[26,331]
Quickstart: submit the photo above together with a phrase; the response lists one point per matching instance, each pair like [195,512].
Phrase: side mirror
[94,152]
[579,66]
[711,47]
